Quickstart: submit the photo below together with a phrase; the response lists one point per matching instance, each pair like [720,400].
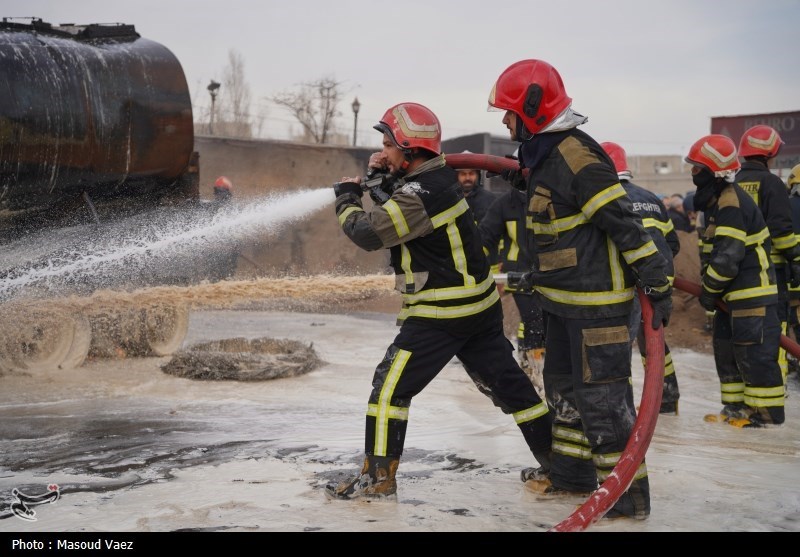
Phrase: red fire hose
[694,289]
[623,473]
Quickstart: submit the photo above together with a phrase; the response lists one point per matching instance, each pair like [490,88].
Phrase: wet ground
[134,449]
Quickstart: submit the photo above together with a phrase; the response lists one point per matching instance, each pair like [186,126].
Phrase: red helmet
[715,152]
[533,90]
[761,141]
[411,125]
[617,155]
[223,183]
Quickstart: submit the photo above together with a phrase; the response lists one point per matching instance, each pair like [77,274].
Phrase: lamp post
[213,89]
[356,106]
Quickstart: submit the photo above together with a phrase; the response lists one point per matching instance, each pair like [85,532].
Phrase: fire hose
[695,289]
[623,473]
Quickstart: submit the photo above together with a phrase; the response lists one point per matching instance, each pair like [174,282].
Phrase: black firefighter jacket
[770,194]
[435,246]
[591,247]
[504,230]
[656,221]
[736,247]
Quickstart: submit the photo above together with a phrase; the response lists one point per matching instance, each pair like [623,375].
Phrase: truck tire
[44,343]
[165,328]
[81,342]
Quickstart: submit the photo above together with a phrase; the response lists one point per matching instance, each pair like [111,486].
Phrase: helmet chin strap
[522,132]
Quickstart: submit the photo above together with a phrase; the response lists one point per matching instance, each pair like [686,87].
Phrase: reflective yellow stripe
[573,451]
[559,226]
[513,250]
[641,472]
[614,267]
[784,242]
[399,221]
[758,237]
[394,412]
[457,250]
[731,232]
[602,198]
[347,212]
[449,312]
[715,275]
[586,298]
[451,214]
[663,227]
[747,293]
[383,409]
[530,413]
[405,264]
[631,256]
[450,293]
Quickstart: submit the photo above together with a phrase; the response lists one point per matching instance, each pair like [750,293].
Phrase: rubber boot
[375,481]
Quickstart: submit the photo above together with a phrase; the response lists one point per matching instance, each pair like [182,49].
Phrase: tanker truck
[96,138]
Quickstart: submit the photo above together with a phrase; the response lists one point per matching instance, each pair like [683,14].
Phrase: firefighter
[504,232]
[793,183]
[661,228]
[736,269]
[450,302]
[591,250]
[758,146]
[223,190]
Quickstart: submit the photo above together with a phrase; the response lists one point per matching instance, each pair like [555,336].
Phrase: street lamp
[356,106]
[213,89]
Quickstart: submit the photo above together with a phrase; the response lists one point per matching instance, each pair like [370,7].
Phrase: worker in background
[478,198]
[793,183]
[451,307]
[591,251]
[226,254]
[658,224]
[737,270]
[758,146]
[504,232]
[223,190]
[677,214]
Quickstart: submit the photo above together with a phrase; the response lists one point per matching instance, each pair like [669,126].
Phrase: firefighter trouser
[670,391]
[746,356]
[781,276]
[587,380]
[419,352]
[531,328]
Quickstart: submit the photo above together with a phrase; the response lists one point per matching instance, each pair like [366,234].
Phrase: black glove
[793,268]
[708,300]
[342,188]
[662,306]
[515,178]
[522,282]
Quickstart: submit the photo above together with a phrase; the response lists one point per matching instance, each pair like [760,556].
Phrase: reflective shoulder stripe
[450,214]
[399,221]
[602,198]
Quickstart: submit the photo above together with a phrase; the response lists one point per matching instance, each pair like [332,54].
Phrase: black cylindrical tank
[90,108]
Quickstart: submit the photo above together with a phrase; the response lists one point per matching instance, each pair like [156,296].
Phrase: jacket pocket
[606,354]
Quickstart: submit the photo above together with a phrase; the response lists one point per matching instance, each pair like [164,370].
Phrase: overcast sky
[649,75]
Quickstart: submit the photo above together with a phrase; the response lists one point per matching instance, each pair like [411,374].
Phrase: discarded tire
[240,359]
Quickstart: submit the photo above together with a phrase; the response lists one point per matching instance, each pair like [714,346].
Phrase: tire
[81,342]
[44,342]
[165,328]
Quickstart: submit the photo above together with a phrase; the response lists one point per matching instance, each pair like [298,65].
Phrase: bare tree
[314,105]
[235,119]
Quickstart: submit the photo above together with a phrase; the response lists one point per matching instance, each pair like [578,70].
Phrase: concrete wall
[317,245]
[257,168]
